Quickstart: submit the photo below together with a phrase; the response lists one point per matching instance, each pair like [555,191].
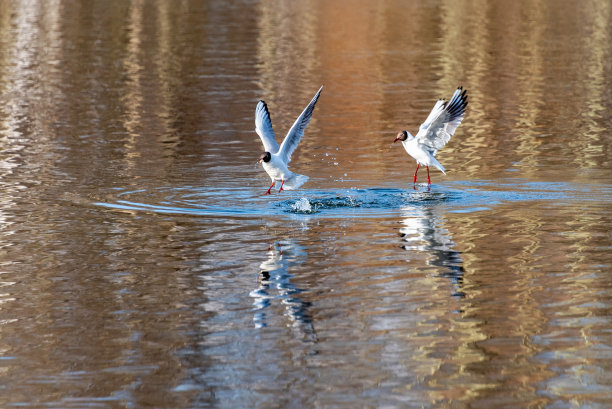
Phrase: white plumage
[435,132]
[275,159]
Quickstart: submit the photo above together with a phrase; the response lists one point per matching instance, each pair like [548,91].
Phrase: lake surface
[142,266]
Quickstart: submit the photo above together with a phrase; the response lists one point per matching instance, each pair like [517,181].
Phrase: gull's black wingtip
[262,105]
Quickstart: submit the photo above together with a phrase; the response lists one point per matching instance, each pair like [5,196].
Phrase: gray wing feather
[296,132]
[443,120]
[263,127]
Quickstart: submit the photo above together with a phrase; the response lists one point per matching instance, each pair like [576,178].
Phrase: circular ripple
[244,203]
[374,202]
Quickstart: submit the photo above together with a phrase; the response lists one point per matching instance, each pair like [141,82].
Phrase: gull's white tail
[295,181]
[437,164]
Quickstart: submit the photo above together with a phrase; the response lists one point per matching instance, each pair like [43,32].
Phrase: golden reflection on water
[287,51]
[449,376]
[520,69]
[147,102]
[516,79]
[593,76]
[531,259]
[461,309]
[133,66]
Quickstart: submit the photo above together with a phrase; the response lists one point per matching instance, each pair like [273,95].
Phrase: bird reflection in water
[422,231]
[274,283]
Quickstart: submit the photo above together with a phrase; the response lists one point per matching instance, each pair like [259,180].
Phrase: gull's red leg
[428,180]
[415,173]
[270,188]
[281,188]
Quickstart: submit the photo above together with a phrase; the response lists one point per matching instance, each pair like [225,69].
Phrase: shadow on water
[274,285]
[457,196]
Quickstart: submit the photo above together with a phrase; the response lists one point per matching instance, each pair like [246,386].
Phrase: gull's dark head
[402,136]
[265,157]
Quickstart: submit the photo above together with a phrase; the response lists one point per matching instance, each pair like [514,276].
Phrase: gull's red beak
[395,140]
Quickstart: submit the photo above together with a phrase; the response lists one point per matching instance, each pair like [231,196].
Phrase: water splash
[458,197]
[302,206]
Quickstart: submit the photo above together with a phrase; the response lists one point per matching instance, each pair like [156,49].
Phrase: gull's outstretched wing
[297,130]
[443,120]
[263,127]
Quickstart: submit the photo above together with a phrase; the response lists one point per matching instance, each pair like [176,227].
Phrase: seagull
[435,132]
[276,158]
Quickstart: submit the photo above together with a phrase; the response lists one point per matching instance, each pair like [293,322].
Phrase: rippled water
[143,266]
[354,203]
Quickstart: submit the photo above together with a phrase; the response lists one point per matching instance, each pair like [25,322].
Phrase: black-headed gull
[435,132]
[276,158]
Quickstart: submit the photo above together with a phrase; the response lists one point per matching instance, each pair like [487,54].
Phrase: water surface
[142,266]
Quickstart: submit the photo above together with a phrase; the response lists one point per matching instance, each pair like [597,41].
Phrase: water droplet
[302,205]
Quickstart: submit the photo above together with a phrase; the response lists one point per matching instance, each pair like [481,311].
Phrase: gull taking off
[276,158]
[435,132]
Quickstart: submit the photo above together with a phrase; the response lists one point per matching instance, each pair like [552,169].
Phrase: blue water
[459,196]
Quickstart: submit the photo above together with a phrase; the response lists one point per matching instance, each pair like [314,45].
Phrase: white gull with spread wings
[435,132]
[276,158]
